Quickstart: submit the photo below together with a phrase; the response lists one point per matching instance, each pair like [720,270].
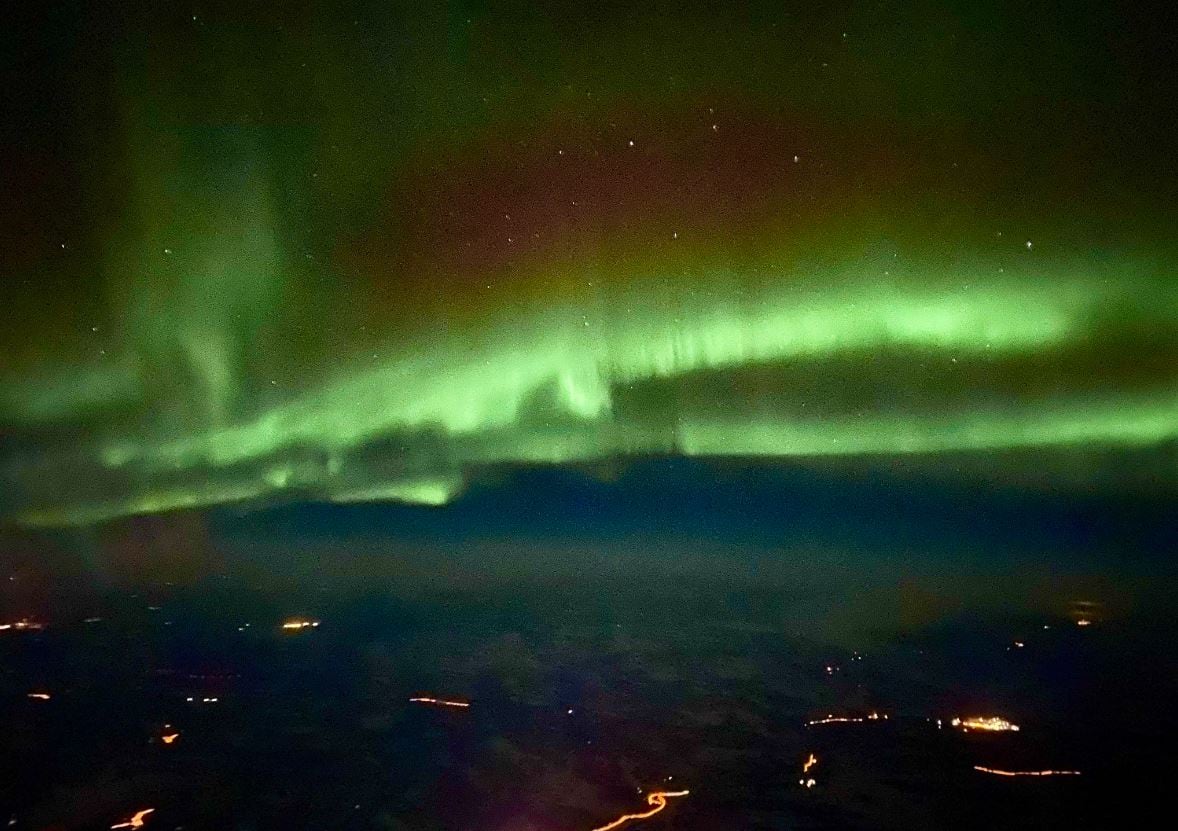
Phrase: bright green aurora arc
[367,258]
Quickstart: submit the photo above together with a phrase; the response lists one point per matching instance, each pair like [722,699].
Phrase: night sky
[510,415]
[387,253]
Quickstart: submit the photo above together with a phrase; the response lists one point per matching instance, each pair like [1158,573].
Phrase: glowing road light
[811,760]
[441,702]
[297,624]
[998,772]
[169,738]
[658,799]
[40,696]
[136,821]
[992,724]
[1085,612]
[22,625]
[833,719]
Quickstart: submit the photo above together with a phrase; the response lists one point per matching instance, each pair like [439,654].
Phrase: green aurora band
[358,308]
[545,389]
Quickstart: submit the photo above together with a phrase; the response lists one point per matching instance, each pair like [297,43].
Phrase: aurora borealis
[368,253]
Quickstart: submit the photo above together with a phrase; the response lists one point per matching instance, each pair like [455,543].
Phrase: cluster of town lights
[658,800]
[992,724]
[22,625]
[833,719]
